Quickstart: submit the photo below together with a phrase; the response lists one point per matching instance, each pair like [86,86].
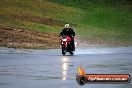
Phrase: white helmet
[67,25]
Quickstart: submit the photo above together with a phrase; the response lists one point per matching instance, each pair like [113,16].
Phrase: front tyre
[63,50]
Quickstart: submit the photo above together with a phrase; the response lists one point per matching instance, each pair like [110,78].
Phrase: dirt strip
[22,38]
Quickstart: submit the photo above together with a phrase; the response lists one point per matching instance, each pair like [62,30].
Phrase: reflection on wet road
[21,68]
[64,68]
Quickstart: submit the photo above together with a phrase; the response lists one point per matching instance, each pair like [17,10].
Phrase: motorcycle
[66,45]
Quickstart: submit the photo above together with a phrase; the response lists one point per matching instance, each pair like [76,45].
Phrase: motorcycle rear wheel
[71,52]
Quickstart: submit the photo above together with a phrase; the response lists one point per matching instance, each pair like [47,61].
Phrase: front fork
[65,44]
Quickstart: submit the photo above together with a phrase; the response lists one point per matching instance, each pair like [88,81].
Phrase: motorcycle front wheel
[63,50]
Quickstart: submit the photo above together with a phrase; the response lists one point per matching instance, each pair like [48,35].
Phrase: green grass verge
[99,21]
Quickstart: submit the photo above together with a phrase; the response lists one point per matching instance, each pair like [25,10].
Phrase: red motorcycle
[66,45]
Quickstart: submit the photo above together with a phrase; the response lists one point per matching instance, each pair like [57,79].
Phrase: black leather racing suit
[69,32]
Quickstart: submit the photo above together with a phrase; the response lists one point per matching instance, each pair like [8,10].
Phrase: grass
[109,18]
[35,8]
[93,20]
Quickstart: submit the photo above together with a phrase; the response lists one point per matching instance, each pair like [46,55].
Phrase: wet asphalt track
[21,68]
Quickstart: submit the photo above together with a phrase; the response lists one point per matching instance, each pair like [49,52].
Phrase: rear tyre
[71,52]
[71,49]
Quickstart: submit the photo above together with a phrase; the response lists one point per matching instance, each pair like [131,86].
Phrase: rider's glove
[72,36]
[60,36]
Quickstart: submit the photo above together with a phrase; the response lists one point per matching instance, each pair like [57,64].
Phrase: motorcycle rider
[69,32]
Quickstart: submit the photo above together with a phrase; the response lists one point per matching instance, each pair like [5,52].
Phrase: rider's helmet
[67,26]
